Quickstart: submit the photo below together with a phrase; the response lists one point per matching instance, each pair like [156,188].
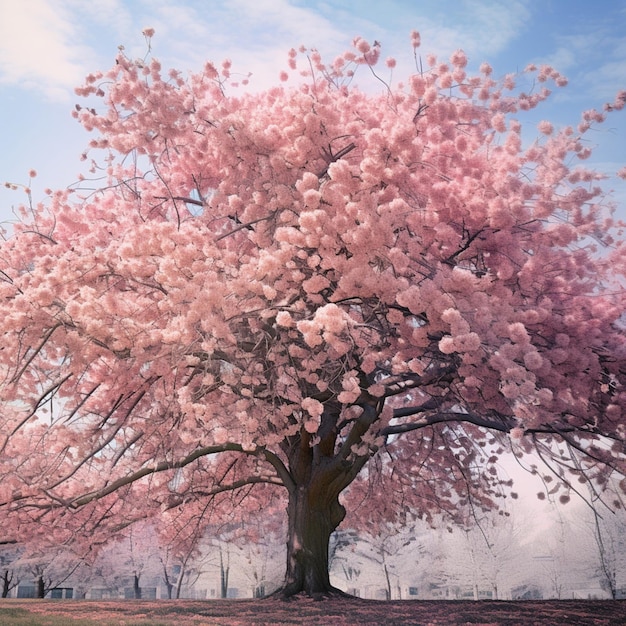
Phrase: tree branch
[37,350]
[238,484]
[154,469]
[331,158]
[503,424]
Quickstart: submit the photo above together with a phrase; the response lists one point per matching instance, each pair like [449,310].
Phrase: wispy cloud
[38,48]
[49,45]
[494,25]
[596,60]
[475,25]
[255,34]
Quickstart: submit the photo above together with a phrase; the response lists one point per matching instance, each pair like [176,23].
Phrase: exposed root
[289,593]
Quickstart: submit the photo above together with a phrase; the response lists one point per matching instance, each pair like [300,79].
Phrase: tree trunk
[224,571]
[168,583]
[40,587]
[179,582]
[7,579]
[136,587]
[388,579]
[313,516]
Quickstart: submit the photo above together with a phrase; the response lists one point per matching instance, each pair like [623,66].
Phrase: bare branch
[331,158]
[154,469]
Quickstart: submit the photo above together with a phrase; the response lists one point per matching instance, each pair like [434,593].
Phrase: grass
[18,616]
[305,611]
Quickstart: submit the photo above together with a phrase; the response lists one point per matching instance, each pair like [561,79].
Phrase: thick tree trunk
[313,517]
[318,473]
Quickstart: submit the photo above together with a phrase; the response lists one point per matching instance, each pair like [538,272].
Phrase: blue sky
[48,46]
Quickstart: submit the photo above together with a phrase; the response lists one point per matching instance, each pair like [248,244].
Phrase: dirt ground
[345,612]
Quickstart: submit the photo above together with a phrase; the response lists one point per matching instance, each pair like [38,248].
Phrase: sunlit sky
[48,46]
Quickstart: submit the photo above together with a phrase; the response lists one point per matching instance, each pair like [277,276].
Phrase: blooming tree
[314,293]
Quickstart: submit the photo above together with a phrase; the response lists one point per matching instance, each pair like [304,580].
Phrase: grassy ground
[352,612]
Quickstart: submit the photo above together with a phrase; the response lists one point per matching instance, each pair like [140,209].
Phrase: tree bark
[168,583]
[7,579]
[40,587]
[179,582]
[136,587]
[313,516]
[224,571]
[317,475]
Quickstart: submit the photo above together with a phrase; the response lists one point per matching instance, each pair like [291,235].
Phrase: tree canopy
[340,299]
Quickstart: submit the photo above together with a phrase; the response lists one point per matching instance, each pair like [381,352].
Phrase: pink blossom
[467,342]
[447,345]
[562,340]
[518,333]
[311,426]
[533,360]
[545,396]
[459,59]
[312,407]
[517,433]
[545,127]
[331,318]
[283,318]
[361,45]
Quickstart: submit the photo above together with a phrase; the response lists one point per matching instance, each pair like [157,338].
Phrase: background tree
[10,575]
[607,520]
[382,551]
[485,553]
[303,293]
[611,545]
[49,567]
[182,532]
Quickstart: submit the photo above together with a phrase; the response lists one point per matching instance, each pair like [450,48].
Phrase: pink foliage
[308,273]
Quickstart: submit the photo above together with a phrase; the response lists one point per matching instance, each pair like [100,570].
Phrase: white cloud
[482,28]
[255,34]
[280,19]
[595,60]
[111,13]
[494,24]
[39,49]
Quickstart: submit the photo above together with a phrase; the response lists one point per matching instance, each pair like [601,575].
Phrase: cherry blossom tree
[313,295]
